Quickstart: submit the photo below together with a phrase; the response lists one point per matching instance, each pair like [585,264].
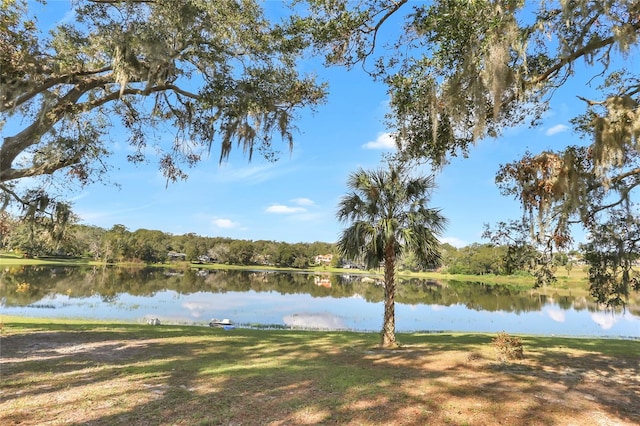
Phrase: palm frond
[388,208]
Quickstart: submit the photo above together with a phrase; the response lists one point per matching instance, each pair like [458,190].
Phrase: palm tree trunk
[389,325]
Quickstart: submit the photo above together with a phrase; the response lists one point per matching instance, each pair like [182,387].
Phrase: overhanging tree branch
[67,79]
[225,70]
[587,49]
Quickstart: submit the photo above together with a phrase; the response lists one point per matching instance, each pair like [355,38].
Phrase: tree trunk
[389,325]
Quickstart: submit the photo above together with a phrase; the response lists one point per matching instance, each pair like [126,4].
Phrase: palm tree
[388,217]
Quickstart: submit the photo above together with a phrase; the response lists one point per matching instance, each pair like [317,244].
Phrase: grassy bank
[77,372]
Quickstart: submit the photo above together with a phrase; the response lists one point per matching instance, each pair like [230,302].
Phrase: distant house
[323,259]
[172,255]
[576,260]
[349,265]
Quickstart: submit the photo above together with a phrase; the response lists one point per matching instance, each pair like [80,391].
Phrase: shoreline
[44,321]
[13,318]
[576,281]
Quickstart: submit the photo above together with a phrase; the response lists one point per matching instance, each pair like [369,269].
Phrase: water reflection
[300,300]
[324,321]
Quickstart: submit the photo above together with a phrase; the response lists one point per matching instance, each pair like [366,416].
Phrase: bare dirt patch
[279,378]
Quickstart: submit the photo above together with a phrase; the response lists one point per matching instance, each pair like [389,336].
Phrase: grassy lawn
[58,372]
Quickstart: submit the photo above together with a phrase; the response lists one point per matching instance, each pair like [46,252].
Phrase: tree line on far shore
[119,244]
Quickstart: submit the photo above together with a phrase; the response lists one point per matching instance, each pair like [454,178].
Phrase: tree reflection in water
[111,283]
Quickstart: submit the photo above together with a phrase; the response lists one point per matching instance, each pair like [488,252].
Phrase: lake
[302,300]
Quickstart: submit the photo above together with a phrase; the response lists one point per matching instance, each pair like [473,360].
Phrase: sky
[295,199]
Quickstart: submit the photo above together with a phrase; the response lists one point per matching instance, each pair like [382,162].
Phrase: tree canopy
[176,79]
[461,71]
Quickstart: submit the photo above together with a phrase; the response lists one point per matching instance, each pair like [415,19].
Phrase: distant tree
[285,256]
[524,251]
[387,216]
[88,240]
[569,267]
[192,251]
[336,261]
[408,262]
[211,73]
[560,259]
[7,224]
[28,241]
[318,247]
[264,252]
[477,259]
[44,222]
[300,262]
[220,252]
[240,252]
[149,246]
[448,255]
[116,245]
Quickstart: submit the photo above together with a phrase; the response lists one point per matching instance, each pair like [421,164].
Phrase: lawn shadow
[195,375]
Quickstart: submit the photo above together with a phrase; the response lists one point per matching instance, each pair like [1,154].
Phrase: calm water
[296,300]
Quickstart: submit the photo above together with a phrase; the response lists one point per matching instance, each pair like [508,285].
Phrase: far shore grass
[61,372]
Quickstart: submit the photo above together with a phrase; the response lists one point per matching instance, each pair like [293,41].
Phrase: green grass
[77,372]
[11,260]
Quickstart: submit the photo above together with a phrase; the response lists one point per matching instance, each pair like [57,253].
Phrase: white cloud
[279,208]
[303,201]
[68,18]
[111,213]
[253,175]
[224,223]
[456,242]
[383,141]
[80,196]
[558,128]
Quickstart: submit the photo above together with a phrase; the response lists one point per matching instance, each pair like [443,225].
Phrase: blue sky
[295,198]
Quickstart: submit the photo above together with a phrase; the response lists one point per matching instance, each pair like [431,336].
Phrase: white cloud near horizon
[303,201]
[113,214]
[301,204]
[282,209]
[456,242]
[558,128]
[383,141]
[224,223]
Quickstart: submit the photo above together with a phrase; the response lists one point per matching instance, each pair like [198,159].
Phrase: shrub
[509,347]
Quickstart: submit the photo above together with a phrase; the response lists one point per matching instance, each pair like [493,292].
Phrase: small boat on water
[223,323]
